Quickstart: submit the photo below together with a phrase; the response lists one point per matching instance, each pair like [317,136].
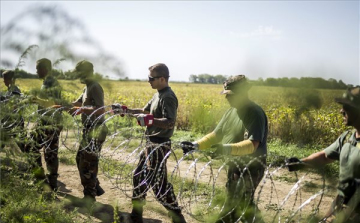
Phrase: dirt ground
[274,196]
[281,196]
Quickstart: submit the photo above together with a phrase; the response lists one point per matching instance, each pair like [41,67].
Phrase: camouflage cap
[350,97]
[84,66]
[235,84]
[44,62]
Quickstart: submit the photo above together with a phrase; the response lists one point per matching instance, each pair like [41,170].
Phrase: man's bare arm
[137,111]
[256,144]
[164,123]
[76,103]
[317,159]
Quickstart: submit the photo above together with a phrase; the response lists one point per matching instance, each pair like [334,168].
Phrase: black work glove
[294,164]
[187,146]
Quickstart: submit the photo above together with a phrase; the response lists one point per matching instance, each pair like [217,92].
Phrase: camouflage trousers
[46,137]
[241,185]
[87,157]
[151,173]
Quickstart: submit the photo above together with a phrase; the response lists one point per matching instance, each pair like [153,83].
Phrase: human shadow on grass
[103,212]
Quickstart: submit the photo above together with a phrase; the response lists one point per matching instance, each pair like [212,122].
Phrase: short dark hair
[8,74]
[161,70]
[44,62]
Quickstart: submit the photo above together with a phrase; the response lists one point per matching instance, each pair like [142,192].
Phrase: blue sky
[255,38]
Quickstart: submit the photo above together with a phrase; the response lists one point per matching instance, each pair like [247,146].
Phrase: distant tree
[201,79]
[207,78]
[342,85]
[193,78]
[333,83]
[284,81]
[271,81]
[303,82]
[294,82]
[260,81]
[220,79]
[59,74]
[98,76]
[204,78]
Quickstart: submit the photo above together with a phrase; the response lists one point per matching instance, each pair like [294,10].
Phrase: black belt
[156,139]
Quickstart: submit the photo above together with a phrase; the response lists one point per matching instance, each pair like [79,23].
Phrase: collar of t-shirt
[163,90]
[90,82]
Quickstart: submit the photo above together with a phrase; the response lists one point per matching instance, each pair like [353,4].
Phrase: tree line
[303,82]
[207,78]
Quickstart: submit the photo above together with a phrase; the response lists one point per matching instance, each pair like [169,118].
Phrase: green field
[301,121]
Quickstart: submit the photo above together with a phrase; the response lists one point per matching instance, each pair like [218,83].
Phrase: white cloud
[260,32]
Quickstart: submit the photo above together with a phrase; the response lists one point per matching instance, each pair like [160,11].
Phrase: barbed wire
[199,181]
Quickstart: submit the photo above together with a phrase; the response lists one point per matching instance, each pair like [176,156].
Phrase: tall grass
[23,200]
[295,115]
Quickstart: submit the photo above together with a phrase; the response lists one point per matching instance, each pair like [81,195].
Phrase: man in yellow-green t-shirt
[241,135]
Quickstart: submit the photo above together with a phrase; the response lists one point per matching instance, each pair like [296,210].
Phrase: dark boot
[137,212]
[52,181]
[99,190]
[176,216]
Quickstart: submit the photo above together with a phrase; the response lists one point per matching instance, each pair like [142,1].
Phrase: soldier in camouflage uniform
[90,105]
[159,116]
[12,122]
[9,77]
[48,126]
[346,149]
[242,135]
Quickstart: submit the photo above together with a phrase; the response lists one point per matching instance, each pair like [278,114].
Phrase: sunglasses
[153,78]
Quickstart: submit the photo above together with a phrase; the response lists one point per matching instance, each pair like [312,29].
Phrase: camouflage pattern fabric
[87,157]
[151,173]
[46,137]
[241,185]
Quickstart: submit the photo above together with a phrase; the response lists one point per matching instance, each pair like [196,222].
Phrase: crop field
[300,116]
[301,121]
